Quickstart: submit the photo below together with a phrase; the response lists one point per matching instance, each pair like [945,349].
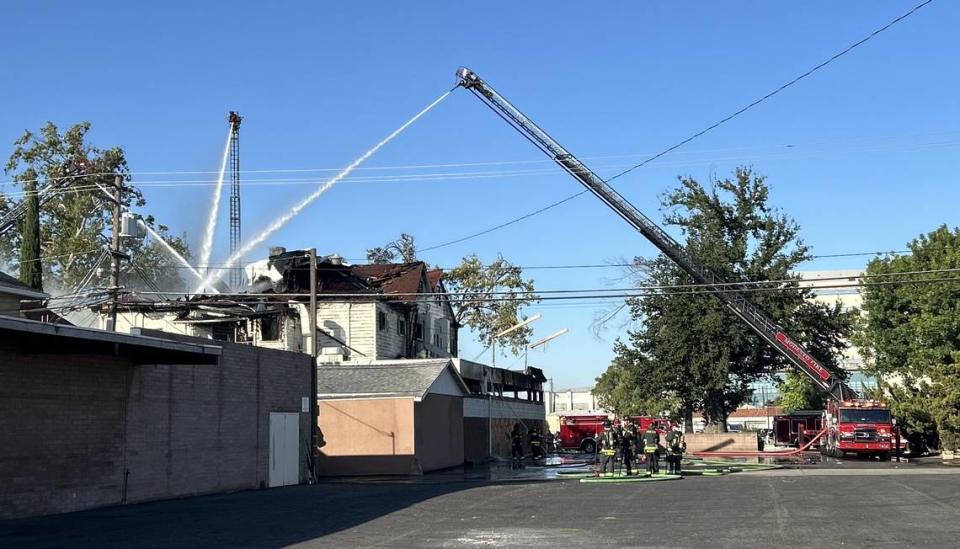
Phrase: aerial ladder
[729,294]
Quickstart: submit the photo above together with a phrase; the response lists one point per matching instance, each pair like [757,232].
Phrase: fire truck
[581,432]
[733,295]
[863,427]
[797,427]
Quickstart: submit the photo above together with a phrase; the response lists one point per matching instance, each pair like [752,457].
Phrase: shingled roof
[401,378]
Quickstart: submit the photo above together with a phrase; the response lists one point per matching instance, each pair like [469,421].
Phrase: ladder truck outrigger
[850,424]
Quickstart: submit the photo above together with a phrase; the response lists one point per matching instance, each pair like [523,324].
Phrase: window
[381,321]
[418,330]
[402,326]
[270,328]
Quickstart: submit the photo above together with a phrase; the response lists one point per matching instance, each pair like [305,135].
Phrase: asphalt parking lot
[860,505]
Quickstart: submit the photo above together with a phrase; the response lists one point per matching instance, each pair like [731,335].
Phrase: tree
[704,355]
[403,248]
[76,219]
[31,272]
[626,387]
[910,336]
[488,298]
[798,393]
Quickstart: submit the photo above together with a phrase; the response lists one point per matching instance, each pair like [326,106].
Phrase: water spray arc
[171,250]
[297,208]
[206,246]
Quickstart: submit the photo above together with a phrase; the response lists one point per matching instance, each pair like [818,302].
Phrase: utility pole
[115,254]
[313,362]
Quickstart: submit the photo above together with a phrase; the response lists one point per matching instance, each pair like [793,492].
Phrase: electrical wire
[700,133]
[285,298]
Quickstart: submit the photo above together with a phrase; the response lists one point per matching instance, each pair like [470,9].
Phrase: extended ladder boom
[734,300]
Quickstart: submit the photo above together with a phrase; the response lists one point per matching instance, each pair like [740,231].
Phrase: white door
[284,449]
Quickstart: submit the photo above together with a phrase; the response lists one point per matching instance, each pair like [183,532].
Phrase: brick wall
[71,426]
[61,432]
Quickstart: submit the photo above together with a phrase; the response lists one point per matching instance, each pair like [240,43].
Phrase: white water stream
[206,247]
[172,251]
[296,209]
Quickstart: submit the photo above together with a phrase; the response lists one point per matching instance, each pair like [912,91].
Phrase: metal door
[284,449]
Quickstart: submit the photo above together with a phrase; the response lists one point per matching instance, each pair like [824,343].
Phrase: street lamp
[515,327]
[493,364]
[541,343]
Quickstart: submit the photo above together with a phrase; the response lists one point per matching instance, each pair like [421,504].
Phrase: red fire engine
[796,428]
[858,427]
[581,432]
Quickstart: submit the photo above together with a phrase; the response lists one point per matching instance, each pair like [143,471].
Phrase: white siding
[352,323]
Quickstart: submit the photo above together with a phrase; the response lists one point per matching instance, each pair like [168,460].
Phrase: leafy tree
[797,392]
[489,297]
[403,249]
[910,336]
[625,386]
[704,355]
[75,221]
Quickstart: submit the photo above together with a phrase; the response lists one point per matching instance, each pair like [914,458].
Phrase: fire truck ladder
[729,294]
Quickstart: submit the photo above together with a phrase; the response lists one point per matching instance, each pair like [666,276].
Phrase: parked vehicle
[859,426]
[581,432]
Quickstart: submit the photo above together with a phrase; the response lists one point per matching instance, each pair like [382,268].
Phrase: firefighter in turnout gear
[516,446]
[536,443]
[651,443]
[676,446]
[607,445]
[627,441]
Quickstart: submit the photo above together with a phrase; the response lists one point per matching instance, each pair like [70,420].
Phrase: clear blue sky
[863,154]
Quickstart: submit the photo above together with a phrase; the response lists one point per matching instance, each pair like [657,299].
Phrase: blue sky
[863,154]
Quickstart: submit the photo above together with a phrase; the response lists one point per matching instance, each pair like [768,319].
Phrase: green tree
[76,219]
[704,355]
[626,387]
[31,272]
[488,299]
[797,392]
[910,336]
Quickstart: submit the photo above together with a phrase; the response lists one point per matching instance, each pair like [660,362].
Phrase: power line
[552,267]
[284,298]
[700,133]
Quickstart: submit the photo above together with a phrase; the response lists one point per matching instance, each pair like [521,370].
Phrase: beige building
[847,294]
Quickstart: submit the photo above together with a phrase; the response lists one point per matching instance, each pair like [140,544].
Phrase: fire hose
[765,453]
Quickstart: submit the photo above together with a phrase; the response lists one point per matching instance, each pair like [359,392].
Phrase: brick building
[91,418]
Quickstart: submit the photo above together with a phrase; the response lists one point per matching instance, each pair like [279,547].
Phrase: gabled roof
[385,379]
[433,278]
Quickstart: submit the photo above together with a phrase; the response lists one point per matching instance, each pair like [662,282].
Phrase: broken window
[381,321]
[270,328]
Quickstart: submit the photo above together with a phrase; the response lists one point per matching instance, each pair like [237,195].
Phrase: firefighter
[607,447]
[627,441]
[536,443]
[651,444]
[676,446]
[516,446]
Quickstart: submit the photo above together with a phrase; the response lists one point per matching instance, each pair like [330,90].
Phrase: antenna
[236,275]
